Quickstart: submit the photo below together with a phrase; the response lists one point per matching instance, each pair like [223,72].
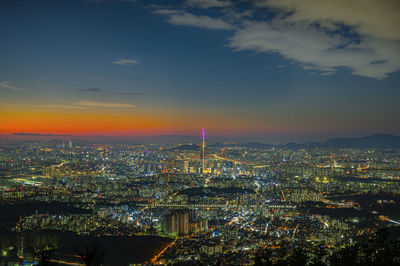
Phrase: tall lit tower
[203,144]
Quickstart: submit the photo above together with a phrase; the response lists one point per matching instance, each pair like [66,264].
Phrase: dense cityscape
[205,203]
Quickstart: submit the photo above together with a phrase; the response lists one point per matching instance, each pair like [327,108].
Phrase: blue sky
[272,69]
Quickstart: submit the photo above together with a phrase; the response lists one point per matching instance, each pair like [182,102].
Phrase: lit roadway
[239,162]
[158,255]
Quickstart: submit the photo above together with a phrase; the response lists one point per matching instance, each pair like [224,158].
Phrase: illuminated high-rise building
[186,167]
[178,222]
[70,144]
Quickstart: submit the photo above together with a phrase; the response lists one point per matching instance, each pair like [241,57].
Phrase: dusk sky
[269,69]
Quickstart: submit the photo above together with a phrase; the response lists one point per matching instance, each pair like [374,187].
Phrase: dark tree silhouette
[44,255]
[263,258]
[299,257]
[92,255]
[375,250]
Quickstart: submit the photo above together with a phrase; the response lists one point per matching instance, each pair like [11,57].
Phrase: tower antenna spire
[203,137]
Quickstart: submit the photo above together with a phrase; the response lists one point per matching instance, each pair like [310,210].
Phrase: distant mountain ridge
[187,147]
[378,141]
[258,145]
[381,141]
[40,135]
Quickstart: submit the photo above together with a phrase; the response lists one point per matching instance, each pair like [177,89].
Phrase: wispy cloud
[103,104]
[63,106]
[209,3]
[125,62]
[97,90]
[6,84]
[89,90]
[183,18]
[167,12]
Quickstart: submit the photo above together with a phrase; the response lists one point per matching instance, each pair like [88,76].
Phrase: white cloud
[373,17]
[167,12]
[322,36]
[309,32]
[317,50]
[7,85]
[102,104]
[209,3]
[182,18]
[62,106]
[125,62]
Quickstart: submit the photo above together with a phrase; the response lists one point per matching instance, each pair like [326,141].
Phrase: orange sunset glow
[113,123]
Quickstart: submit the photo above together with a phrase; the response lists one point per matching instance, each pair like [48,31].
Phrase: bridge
[212,206]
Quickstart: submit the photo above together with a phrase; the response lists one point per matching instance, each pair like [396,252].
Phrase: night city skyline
[256,70]
[199,132]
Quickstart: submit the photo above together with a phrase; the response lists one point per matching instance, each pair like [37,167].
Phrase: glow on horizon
[145,124]
[125,123]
